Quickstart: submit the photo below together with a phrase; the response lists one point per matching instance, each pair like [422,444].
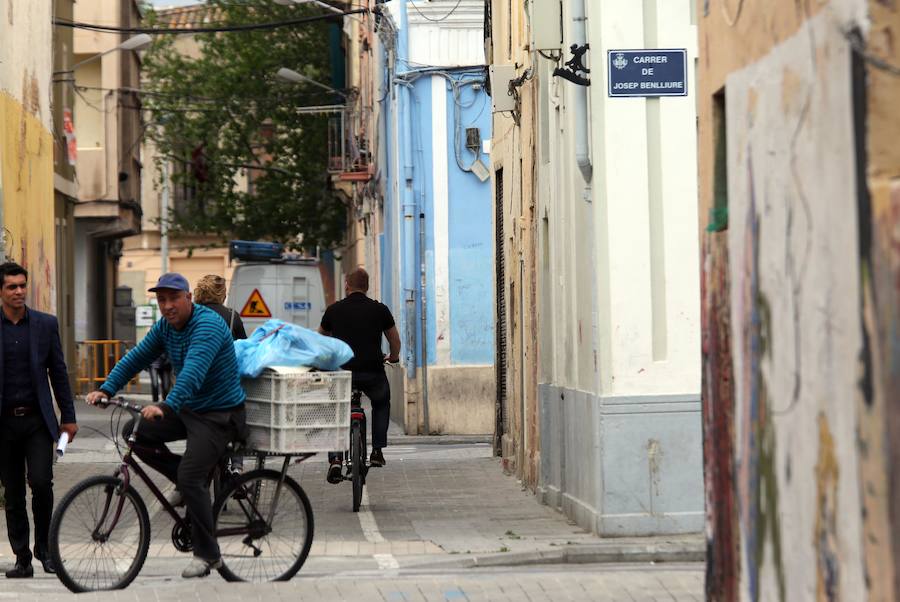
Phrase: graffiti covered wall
[801,288]
[795,317]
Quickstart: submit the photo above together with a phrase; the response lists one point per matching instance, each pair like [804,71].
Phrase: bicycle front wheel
[264,531]
[99,535]
[357,465]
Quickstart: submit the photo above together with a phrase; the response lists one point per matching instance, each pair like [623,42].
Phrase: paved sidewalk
[601,583]
[434,509]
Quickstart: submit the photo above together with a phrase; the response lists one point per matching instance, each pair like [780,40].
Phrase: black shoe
[48,565]
[377,458]
[334,473]
[20,571]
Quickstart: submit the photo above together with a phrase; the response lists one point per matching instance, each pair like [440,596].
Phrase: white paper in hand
[61,446]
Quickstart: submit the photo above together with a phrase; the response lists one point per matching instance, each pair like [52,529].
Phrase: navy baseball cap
[172,281]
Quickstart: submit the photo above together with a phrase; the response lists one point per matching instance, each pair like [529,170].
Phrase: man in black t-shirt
[360,322]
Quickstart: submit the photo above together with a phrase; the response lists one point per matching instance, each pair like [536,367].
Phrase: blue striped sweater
[202,355]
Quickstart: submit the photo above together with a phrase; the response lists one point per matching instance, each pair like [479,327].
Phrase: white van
[290,290]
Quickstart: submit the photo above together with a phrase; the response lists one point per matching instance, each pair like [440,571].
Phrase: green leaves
[246,163]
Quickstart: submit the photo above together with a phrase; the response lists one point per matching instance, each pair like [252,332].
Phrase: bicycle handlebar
[120,402]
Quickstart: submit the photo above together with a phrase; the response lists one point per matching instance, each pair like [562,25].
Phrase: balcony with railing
[349,154]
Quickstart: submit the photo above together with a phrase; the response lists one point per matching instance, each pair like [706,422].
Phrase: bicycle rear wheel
[99,535]
[357,465]
[264,534]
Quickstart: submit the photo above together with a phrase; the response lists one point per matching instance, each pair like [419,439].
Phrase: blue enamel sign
[647,72]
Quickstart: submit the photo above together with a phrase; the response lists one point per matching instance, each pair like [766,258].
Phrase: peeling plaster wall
[879,400]
[792,242]
[26,145]
[801,289]
[513,151]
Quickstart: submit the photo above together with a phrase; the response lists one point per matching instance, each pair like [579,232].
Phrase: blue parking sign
[647,72]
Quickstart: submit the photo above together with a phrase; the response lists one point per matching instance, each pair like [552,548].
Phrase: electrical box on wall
[546,25]
[501,99]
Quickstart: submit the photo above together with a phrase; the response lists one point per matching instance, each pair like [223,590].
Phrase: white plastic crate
[293,410]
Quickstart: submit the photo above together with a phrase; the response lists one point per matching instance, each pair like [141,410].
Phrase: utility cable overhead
[217,29]
[439,19]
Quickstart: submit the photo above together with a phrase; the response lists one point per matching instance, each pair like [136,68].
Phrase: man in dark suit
[30,352]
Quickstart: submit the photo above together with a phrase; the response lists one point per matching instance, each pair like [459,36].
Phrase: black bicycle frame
[130,463]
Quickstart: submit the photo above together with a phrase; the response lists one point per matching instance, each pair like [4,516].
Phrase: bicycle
[100,531]
[355,458]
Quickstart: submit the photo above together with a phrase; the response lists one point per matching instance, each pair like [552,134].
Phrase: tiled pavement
[605,584]
[432,511]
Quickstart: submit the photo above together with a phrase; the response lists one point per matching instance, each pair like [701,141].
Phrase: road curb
[438,439]
[601,553]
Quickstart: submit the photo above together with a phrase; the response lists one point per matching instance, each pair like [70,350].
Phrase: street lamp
[316,2]
[138,42]
[289,75]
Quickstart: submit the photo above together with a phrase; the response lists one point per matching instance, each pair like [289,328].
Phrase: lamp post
[289,75]
[138,42]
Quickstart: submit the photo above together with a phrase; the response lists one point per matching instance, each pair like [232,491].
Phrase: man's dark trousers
[375,386]
[25,443]
[207,436]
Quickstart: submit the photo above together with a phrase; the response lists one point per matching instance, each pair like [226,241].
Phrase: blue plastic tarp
[278,343]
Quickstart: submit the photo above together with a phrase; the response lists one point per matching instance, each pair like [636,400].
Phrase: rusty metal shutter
[500,426]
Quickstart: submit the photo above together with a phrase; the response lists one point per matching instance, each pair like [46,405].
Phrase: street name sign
[647,72]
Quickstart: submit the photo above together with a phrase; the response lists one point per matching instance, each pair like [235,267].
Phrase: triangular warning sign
[255,307]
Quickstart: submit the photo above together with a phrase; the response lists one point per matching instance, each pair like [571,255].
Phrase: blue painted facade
[468,250]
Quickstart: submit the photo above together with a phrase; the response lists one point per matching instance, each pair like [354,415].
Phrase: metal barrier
[95,360]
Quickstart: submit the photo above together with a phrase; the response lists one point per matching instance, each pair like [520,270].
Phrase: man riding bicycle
[206,406]
[360,322]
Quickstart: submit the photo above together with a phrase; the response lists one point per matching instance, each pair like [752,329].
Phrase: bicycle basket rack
[295,410]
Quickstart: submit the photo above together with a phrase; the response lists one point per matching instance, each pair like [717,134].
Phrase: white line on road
[373,535]
[386,561]
[367,521]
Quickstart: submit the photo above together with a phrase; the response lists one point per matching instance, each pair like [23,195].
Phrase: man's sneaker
[334,473]
[377,458]
[175,498]
[200,567]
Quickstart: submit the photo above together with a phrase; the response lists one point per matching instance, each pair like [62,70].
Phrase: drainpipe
[404,112]
[580,100]
[424,319]
[164,219]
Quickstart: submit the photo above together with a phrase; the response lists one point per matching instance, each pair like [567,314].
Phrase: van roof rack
[270,252]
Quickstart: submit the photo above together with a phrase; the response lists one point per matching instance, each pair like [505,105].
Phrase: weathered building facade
[800,214]
[64,181]
[418,132]
[27,203]
[108,131]
[597,276]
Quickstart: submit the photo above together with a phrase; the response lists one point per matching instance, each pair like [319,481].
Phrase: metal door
[299,303]
[501,426]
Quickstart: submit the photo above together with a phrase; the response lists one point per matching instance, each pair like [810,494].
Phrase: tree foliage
[221,116]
